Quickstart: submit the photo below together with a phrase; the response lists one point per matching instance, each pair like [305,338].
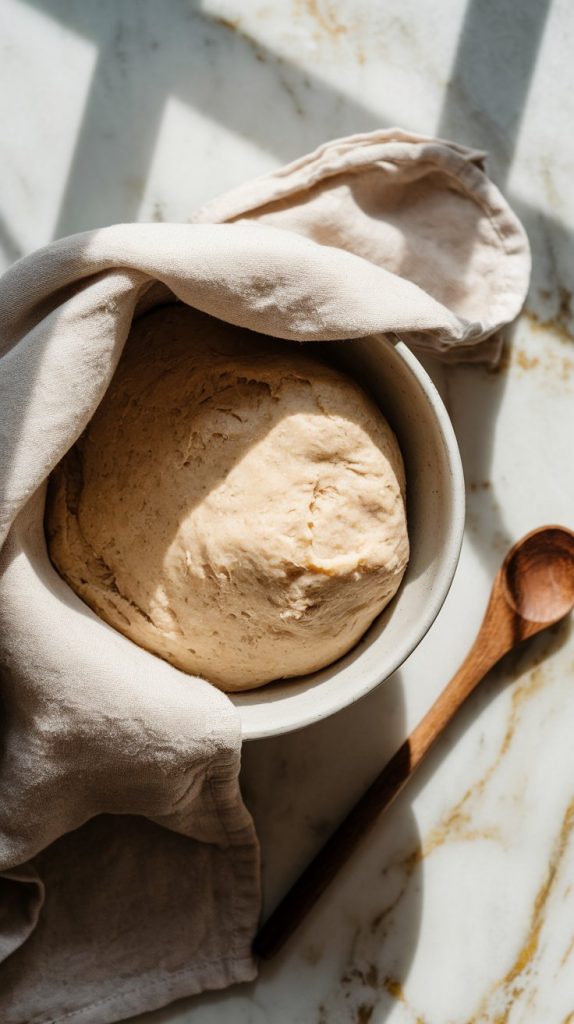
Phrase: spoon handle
[383,790]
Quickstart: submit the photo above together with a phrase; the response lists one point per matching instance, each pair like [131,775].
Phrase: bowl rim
[441,585]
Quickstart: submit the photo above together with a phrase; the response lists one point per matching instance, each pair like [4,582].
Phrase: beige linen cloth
[129,872]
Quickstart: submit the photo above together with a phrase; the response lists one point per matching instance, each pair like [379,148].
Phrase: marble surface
[460,907]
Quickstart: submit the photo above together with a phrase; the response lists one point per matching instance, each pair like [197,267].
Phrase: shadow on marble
[367,972]
[318,792]
[206,63]
[524,661]
[550,299]
[358,942]
[213,66]
[490,79]
[473,396]
[484,106]
[479,393]
[8,243]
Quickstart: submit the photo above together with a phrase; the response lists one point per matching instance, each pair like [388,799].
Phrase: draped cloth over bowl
[129,868]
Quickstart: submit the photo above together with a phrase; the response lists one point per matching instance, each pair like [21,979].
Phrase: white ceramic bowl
[435,502]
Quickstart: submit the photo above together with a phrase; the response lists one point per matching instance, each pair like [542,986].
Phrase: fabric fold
[423,209]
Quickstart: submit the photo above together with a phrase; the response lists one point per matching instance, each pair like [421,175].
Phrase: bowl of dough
[281,519]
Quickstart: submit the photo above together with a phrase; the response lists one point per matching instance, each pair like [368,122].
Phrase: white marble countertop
[459,909]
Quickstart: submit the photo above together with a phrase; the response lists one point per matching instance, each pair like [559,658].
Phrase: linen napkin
[129,865]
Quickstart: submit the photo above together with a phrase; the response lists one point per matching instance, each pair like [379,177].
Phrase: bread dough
[236,505]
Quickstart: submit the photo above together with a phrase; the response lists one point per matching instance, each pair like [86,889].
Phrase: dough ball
[236,506]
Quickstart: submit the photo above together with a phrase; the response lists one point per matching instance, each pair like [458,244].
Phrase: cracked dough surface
[235,506]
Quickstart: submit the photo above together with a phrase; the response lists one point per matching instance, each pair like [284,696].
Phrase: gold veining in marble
[570,947]
[364,1013]
[555,362]
[480,485]
[262,56]
[512,985]
[497,1004]
[457,826]
[396,990]
[326,17]
[456,822]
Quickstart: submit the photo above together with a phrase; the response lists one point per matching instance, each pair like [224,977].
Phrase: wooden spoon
[534,589]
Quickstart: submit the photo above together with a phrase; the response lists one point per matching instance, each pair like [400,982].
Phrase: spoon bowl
[539,575]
